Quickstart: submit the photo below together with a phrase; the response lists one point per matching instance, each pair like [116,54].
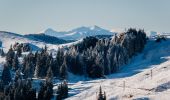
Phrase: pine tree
[17,75]
[101,96]
[37,68]
[63,70]
[2,53]
[62,91]
[29,70]
[60,56]
[49,75]
[6,75]
[19,51]
[55,68]
[2,86]
[46,90]
[45,48]
[10,56]
[15,64]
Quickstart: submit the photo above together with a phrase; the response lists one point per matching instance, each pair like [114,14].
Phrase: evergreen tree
[46,90]
[62,91]
[29,70]
[2,86]
[101,96]
[37,68]
[55,68]
[6,75]
[15,64]
[19,51]
[96,71]
[10,56]
[20,90]
[17,75]
[2,53]
[60,56]
[49,73]
[63,70]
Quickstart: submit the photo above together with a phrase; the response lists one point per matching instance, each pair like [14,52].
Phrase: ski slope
[133,81]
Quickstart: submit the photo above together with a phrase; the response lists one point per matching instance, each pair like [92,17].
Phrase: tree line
[92,57]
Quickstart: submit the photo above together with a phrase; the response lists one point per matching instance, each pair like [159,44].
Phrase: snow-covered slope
[139,85]
[8,38]
[51,32]
[78,33]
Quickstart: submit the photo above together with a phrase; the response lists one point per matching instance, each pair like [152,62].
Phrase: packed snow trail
[139,85]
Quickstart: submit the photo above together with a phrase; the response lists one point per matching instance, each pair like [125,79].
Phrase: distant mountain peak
[87,29]
[49,30]
[79,32]
[95,27]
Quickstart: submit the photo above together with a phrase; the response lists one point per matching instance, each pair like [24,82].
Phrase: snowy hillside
[8,38]
[46,38]
[145,77]
[78,33]
[139,85]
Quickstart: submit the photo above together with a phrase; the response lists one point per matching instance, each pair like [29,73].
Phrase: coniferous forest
[92,57]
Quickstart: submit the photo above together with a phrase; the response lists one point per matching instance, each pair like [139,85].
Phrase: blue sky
[29,16]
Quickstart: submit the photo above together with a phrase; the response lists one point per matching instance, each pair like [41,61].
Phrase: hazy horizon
[31,16]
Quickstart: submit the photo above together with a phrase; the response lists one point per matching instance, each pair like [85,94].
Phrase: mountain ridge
[78,33]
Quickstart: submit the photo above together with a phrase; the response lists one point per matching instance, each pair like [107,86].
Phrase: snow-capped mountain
[79,32]
[52,32]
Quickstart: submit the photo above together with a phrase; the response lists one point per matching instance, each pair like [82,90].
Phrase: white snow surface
[10,38]
[139,85]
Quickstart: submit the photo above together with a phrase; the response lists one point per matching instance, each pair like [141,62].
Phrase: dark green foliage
[87,43]
[74,63]
[28,65]
[17,75]
[42,63]
[1,86]
[19,51]
[62,91]
[2,52]
[60,56]
[15,64]
[96,71]
[20,90]
[46,91]
[133,41]
[10,56]
[6,75]
[49,74]
[63,71]
[98,57]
